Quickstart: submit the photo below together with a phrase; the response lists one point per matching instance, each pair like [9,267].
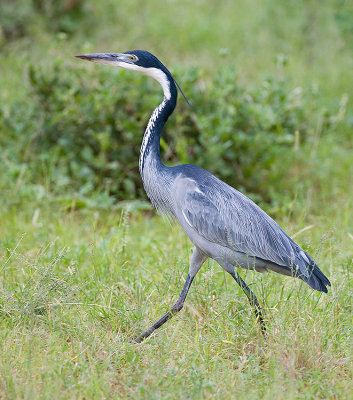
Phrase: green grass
[79,276]
[76,285]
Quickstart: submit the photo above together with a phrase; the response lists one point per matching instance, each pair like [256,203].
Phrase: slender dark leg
[177,306]
[253,301]
[196,262]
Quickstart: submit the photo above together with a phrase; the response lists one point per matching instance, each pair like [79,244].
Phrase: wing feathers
[224,216]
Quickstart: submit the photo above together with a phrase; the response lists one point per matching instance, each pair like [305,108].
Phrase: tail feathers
[311,273]
[317,280]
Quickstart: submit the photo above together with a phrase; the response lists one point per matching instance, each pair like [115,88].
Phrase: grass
[77,284]
[79,277]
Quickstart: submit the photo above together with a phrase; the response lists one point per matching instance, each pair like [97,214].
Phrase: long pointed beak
[105,58]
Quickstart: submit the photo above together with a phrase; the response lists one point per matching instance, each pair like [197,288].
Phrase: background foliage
[87,128]
[79,127]
[84,266]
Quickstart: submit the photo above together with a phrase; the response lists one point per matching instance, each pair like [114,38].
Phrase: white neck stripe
[148,132]
[161,78]
[155,73]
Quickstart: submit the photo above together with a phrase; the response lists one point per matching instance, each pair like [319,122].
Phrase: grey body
[211,224]
[221,222]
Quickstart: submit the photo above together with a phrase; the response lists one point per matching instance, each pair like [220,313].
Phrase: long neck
[155,175]
[150,158]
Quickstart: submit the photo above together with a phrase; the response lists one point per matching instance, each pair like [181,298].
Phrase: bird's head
[136,60]
[140,61]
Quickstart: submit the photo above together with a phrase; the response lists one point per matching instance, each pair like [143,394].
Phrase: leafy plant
[83,127]
[18,16]
[15,16]
[61,15]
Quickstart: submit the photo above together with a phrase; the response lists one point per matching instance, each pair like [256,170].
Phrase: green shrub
[18,16]
[15,16]
[81,128]
[61,15]
[344,19]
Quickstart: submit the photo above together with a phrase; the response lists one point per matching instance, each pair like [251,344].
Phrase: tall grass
[75,288]
[80,276]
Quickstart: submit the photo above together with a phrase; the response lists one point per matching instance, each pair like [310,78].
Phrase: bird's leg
[196,262]
[253,301]
[177,306]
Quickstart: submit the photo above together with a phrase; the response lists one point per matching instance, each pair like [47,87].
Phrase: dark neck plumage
[150,160]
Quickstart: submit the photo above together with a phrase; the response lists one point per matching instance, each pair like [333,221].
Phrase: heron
[221,222]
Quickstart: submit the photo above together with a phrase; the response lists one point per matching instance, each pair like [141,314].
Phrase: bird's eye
[133,58]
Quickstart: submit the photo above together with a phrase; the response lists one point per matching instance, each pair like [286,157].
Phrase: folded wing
[225,216]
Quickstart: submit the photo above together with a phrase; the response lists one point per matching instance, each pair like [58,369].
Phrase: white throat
[160,77]
[155,73]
